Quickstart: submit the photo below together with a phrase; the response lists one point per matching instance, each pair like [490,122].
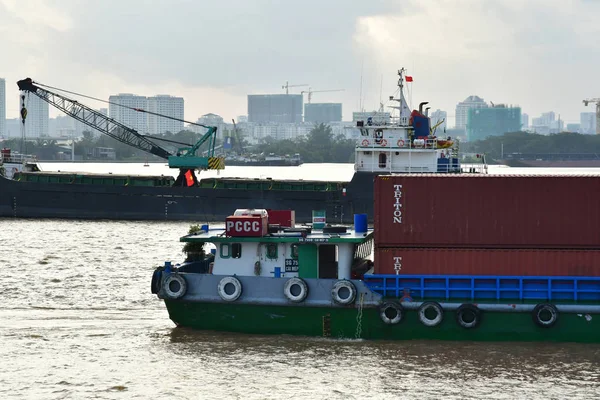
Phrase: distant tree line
[319,146]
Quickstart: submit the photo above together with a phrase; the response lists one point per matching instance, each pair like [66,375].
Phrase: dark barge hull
[91,201]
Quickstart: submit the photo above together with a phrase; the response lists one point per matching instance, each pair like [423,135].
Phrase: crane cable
[121,105]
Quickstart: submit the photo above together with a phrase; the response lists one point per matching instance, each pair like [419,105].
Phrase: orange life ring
[383,142]
[400,143]
[365,142]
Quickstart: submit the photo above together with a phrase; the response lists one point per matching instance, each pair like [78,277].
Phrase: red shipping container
[513,262]
[283,218]
[487,211]
[247,225]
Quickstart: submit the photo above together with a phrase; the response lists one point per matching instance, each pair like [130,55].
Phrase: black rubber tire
[473,310]
[535,314]
[155,284]
[437,320]
[395,305]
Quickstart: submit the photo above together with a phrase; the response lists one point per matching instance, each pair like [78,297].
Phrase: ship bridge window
[271,251]
[382,160]
[236,250]
[378,135]
[225,250]
[233,250]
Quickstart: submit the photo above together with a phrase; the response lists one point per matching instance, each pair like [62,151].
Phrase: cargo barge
[263,274]
[406,144]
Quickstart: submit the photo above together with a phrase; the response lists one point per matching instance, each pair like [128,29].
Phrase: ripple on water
[84,325]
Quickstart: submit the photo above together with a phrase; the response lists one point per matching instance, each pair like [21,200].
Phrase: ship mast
[403,105]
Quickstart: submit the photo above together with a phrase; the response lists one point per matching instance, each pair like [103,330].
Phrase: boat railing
[474,168]
[17,158]
[403,143]
[491,288]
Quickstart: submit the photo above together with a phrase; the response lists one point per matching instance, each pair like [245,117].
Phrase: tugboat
[261,274]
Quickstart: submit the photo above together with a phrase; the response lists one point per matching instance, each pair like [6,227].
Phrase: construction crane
[287,86]
[237,138]
[310,92]
[185,158]
[597,101]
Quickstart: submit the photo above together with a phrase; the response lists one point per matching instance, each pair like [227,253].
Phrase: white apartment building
[165,105]
[210,119]
[38,117]
[524,121]
[588,122]
[438,116]
[3,132]
[462,110]
[256,132]
[130,118]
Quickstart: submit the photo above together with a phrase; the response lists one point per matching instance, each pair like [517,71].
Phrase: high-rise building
[493,121]
[588,122]
[572,127]
[210,119]
[524,121]
[38,116]
[283,108]
[323,112]
[126,116]
[3,108]
[439,117]
[165,105]
[462,110]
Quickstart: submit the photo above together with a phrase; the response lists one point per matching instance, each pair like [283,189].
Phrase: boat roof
[316,236]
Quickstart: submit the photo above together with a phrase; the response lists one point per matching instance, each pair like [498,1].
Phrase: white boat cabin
[252,244]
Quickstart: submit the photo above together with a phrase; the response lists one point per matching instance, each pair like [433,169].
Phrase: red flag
[189,178]
[409,78]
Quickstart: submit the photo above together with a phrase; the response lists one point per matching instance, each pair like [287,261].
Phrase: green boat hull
[339,322]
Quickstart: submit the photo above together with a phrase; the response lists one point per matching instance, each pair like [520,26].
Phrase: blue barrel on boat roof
[360,223]
[204,228]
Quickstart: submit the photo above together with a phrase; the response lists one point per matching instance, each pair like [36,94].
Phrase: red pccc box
[247,225]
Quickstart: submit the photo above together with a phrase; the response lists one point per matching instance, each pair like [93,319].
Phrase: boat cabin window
[236,250]
[382,160]
[224,250]
[294,249]
[271,251]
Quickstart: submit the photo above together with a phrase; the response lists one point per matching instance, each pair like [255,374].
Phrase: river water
[79,322]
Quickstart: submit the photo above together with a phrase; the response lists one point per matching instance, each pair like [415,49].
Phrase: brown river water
[78,321]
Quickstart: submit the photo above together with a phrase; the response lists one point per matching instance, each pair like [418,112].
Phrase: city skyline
[500,52]
[547,122]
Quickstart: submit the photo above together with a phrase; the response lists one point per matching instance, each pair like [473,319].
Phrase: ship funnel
[427,111]
[421,106]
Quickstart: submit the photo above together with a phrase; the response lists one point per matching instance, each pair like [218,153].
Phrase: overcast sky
[540,54]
